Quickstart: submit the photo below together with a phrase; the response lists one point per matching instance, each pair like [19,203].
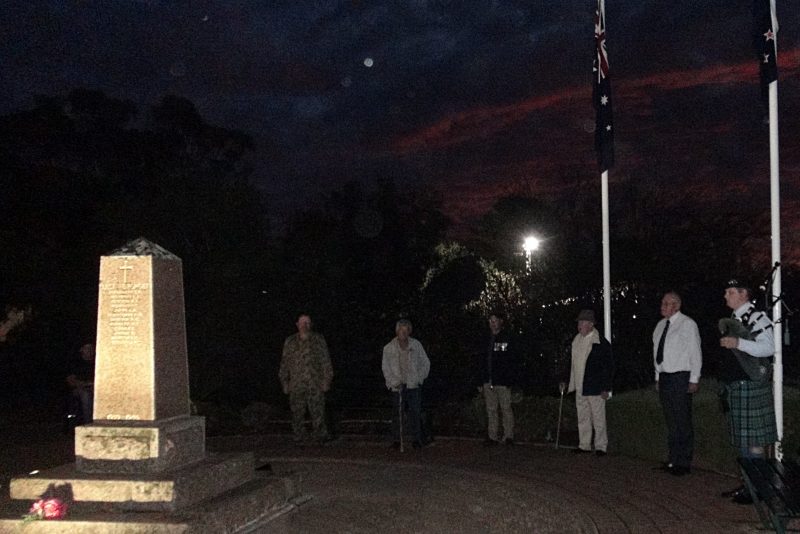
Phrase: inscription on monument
[125,319]
[124,365]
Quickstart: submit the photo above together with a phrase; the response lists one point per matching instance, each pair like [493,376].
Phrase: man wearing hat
[590,378]
[748,394]
[677,358]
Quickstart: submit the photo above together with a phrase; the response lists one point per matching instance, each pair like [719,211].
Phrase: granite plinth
[164,492]
[153,447]
[262,504]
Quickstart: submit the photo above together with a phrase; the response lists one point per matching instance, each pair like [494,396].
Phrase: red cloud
[482,122]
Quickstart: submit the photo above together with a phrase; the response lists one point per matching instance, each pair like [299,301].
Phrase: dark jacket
[599,373]
[499,361]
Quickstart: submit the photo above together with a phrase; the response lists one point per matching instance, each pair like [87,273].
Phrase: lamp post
[530,244]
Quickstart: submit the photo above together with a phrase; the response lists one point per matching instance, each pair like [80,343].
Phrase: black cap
[738,283]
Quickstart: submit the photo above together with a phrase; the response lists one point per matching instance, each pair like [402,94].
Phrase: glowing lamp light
[530,244]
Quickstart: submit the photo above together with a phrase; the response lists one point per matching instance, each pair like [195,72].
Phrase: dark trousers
[412,403]
[677,406]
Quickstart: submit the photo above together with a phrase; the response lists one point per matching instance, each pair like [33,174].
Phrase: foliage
[86,182]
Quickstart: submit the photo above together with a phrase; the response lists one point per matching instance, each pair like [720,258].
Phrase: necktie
[660,351]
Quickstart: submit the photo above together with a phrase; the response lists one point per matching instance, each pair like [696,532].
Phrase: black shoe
[679,470]
[508,441]
[599,453]
[580,451]
[664,466]
[395,445]
[730,493]
[742,497]
[325,439]
[489,442]
[417,444]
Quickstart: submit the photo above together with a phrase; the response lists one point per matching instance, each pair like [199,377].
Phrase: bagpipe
[757,369]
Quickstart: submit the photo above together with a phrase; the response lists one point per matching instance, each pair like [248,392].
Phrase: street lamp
[530,244]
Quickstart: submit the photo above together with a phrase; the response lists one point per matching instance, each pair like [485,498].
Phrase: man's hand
[693,387]
[729,342]
[285,388]
[604,395]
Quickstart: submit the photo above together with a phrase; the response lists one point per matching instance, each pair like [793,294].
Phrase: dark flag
[601,95]
[764,29]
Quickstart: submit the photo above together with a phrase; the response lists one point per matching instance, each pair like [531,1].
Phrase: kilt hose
[751,415]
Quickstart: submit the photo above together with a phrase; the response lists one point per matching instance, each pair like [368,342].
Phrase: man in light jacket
[590,378]
[405,368]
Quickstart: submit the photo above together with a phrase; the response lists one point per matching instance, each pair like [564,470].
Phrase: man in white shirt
[678,358]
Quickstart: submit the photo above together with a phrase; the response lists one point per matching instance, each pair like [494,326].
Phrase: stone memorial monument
[142,465]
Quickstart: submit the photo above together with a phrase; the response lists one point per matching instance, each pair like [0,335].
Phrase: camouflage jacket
[306,363]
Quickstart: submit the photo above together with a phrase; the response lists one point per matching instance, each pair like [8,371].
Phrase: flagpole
[767,50]
[606,257]
[604,143]
[775,225]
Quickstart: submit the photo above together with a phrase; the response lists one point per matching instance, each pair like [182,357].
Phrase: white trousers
[591,414]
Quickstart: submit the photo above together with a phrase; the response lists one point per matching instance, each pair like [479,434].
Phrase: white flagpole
[606,258]
[775,220]
[775,227]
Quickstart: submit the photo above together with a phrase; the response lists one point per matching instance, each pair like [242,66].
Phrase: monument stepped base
[140,446]
[169,491]
[263,504]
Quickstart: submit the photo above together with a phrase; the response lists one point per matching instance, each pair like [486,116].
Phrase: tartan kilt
[751,419]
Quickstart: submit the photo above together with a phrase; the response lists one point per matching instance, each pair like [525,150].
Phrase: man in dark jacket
[590,378]
[497,373]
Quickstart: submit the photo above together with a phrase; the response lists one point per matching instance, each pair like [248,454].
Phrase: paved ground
[459,486]
[359,485]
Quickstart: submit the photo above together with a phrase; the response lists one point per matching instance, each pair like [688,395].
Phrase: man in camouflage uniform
[306,373]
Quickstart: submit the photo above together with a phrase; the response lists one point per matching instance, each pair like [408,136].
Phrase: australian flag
[764,29]
[601,94]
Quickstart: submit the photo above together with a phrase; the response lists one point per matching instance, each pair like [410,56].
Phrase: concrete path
[458,485]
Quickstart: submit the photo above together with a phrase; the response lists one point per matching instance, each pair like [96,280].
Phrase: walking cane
[561,388]
[400,415]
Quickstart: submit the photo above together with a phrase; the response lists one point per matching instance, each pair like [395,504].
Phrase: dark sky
[470,99]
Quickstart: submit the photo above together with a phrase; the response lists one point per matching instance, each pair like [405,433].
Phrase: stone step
[168,491]
[263,503]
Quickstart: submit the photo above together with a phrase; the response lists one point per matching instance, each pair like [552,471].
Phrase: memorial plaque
[141,371]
